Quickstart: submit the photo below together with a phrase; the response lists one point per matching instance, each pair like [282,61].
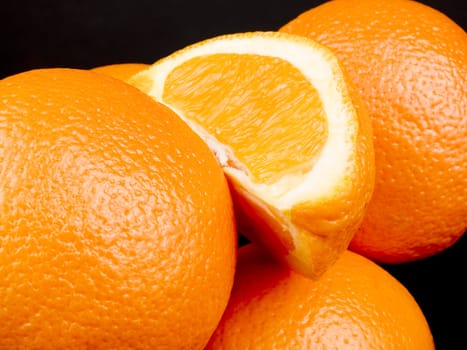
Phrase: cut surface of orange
[289,131]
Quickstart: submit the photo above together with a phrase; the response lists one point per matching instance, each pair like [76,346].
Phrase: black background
[85,34]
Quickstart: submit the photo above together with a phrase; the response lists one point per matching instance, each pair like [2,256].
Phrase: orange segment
[289,131]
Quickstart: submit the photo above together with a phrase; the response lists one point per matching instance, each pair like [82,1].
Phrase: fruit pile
[240,193]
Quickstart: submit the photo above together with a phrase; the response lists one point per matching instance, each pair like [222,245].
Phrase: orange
[116,222]
[122,71]
[354,305]
[409,63]
[293,138]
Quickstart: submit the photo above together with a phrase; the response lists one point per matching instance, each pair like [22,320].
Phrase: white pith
[320,67]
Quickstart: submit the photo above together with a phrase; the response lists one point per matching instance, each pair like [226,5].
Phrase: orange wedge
[289,131]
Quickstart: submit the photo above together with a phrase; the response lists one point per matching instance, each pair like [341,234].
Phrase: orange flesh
[283,126]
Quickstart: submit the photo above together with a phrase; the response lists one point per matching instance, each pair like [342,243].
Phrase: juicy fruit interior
[280,114]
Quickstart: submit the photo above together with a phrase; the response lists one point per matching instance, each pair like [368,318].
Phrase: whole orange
[354,305]
[122,71]
[409,62]
[116,222]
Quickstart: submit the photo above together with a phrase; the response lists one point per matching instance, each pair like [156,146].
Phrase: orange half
[289,131]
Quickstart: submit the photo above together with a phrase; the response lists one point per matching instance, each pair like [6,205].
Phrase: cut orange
[289,131]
